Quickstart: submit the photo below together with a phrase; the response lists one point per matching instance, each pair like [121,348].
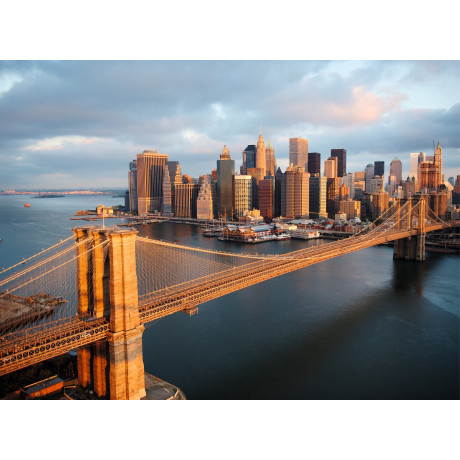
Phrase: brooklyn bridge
[96,291]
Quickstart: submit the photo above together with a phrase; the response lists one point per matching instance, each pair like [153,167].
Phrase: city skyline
[74,124]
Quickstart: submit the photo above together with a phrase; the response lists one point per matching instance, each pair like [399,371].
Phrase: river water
[360,326]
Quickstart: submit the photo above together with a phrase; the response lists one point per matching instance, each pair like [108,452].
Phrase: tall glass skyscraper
[150,169]
[341,155]
[225,172]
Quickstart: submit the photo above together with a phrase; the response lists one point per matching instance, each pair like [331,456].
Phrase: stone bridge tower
[413,247]
[107,287]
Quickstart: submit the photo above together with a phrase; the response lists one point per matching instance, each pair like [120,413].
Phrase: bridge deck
[31,346]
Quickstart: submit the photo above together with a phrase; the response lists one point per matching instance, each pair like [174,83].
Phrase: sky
[78,124]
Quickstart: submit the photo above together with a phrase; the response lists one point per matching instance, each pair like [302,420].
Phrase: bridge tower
[107,287]
[412,247]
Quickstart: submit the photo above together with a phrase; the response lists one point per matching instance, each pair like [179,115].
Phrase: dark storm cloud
[75,118]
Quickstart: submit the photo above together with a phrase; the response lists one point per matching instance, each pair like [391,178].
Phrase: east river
[360,326]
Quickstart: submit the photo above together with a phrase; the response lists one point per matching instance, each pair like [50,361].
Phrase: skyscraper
[332,196]
[348,181]
[413,171]
[278,186]
[298,152]
[225,172]
[132,181]
[318,198]
[167,202]
[205,200]
[242,195]
[438,162]
[379,168]
[396,170]
[330,167]
[261,155]
[186,195]
[341,155]
[270,159]
[297,192]
[314,163]
[369,175]
[249,159]
[267,197]
[150,169]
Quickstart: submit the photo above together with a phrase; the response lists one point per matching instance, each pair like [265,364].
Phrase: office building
[379,168]
[348,181]
[332,196]
[376,184]
[167,202]
[318,197]
[242,195]
[261,156]
[186,195]
[341,155]
[428,176]
[369,175]
[438,162]
[297,192]
[278,194]
[351,208]
[414,162]
[206,199]
[396,170]
[330,167]
[314,163]
[270,159]
[132,187]
[225,172]
[267,197]
[249,159]
[298,152]
[379,204]
[150,169]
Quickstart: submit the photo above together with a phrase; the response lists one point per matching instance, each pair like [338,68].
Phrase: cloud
[77,118]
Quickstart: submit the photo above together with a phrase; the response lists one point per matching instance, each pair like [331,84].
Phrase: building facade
[206,199]
[242,195]
[318,197]
[297,192]
[150,170]
[225,172]
[298,152]
[132,188]
[341,155]
[314,163]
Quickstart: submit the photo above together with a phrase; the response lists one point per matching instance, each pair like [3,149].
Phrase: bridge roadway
[38,344]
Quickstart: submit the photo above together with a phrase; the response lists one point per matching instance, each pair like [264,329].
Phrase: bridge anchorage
[124,281]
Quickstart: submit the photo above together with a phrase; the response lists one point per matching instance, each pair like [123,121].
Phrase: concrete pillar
[126,374]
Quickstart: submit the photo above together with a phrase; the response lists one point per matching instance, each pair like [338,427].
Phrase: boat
[283,236]
[26,205]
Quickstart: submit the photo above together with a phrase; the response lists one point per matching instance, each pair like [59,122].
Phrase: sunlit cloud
[59,143]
